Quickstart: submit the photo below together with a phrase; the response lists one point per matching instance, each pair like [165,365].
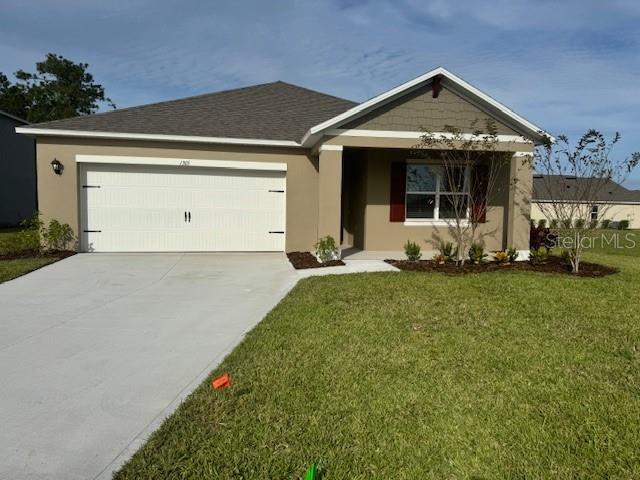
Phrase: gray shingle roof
[271,111]
[558,187]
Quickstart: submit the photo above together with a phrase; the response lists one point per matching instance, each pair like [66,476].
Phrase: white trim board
[411,85]
[416,135]
[182,162]
[157,137]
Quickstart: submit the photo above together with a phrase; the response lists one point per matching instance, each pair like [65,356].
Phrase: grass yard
[410,375]
[10,269]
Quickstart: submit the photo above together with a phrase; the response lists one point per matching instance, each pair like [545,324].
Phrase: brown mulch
[301,260]
[552,265]
[36,254]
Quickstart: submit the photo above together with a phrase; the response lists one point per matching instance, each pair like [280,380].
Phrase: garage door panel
[142,208]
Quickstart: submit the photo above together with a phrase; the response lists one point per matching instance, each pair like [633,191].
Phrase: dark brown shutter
[397,191]
[479,194]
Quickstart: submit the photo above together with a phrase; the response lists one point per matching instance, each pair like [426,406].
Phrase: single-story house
[18,199]
[611,201]
[274,167]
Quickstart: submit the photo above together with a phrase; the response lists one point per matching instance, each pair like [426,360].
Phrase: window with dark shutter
[479,194]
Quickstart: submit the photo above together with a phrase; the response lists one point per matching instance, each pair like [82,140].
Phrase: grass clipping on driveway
[513,374]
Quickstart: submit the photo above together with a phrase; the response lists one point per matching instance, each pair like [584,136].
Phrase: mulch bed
[36,254]
[552,265]
[302,260]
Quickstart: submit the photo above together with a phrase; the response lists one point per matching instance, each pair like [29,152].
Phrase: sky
[565,65]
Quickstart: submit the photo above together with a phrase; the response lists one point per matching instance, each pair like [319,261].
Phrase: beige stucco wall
[382,234]
[59,194]
[418,110]
[613,212]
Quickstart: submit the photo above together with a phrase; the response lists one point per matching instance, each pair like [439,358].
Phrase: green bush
[476,253]
[447,250]
[580,223]
[565,256]
[623,225]
[326,249]
[412,251]
[513,254]
[568,223]
[553,223]
[57,236]
[537,256]
[542,223]
[593,224]
[605,224]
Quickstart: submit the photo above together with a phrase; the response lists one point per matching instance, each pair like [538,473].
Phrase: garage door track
[96,350]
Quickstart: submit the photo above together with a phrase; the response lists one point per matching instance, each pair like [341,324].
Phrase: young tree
[472,172]
[59,89]
[573,180]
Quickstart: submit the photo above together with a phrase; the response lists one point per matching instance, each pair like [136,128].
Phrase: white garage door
[139,208]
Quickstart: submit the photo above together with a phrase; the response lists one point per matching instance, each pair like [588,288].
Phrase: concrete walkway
[96,350]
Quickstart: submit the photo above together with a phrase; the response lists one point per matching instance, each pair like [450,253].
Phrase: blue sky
[565,65]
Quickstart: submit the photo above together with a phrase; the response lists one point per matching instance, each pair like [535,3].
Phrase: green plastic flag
[311,473]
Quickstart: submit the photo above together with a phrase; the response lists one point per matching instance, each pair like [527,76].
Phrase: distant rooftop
[565,187]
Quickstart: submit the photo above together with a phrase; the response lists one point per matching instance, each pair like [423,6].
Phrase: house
[18,199]
[273,167]
[611,201]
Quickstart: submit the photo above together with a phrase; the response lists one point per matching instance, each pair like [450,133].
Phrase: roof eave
[53,132]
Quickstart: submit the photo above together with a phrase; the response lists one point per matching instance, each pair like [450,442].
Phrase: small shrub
[326,249]
[476,253]
[580,223]
[501,257]
[568,223]
[553,223]
[565,256]
[542,223]
[57,236]
[593,224]
[538,256]
[623,225]
[412,251]
[605,224]
[439,258]
[513,254]
[447,250]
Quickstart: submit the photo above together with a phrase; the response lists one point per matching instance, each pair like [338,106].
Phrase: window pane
[420,206]
[421,178]
[594,212]
[450,204]
[453,179]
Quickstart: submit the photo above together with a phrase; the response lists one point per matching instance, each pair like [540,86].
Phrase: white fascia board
[417,135]
[410,85]
[156,137]
[182,162]
[595,202]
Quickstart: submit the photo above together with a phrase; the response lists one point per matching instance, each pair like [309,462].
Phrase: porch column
[520,193]
[330,191]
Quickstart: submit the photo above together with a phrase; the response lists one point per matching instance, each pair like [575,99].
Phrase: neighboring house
[273,167]
[611,200]
[18,199]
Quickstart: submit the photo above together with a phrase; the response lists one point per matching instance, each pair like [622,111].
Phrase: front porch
[357,203]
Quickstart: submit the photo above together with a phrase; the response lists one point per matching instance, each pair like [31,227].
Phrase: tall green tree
[59,89]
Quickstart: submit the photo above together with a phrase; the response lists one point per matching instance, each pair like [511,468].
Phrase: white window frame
[597,212]
[437,193]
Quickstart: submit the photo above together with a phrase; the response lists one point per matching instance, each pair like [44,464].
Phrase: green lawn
[410,375]
[10,269]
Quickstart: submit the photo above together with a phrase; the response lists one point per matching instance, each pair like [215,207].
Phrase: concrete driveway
[96,350]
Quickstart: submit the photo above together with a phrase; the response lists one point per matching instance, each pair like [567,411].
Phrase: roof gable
[451,82]
[419,110]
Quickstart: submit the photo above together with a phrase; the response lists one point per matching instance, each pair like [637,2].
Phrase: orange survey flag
[222,381]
